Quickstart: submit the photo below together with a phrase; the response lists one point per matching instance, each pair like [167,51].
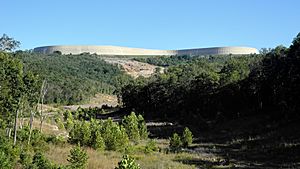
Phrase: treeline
[166,61]
[73,78]
[201,90]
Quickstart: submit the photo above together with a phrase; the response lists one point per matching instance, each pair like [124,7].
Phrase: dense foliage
[77,158]
[73,78]
[204,91]
[175,92]
[106,134]
[184,141]
[127,162]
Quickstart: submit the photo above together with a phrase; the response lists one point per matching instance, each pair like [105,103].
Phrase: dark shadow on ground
[254,144]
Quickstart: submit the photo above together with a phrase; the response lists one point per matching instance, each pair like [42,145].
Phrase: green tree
[5,162]
[175,142]
[98,142]
[41,162]
[142,127]
[151,147]
[8,44]
[131,126]
[85,133]
[114,135]
[26,160]
[187,137]
[127,163]
[77,158]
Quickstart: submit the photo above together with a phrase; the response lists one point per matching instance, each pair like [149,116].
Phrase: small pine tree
[25,160]
[69,124]
[175,142]
[98,142]
[77,158]
[41,162]
[131,125]
[114,135]
[127,163]
[151,147]
[75,133]
[5,163]
[142,127]
[85,133]
[187,137]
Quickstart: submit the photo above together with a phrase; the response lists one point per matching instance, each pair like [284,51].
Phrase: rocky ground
[134,68]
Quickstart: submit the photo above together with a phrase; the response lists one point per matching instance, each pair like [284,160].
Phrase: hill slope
[74,78]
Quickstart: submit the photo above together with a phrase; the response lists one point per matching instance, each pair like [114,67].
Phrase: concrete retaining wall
[116,50]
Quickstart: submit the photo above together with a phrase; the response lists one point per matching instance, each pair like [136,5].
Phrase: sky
[153,24]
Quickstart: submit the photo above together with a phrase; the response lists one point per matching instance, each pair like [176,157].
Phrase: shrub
[38,141]
[26,160]
[77,158]
[5,162]
[80,133]
[69,124]
[114,136]
[187,137]
[175,142]
[85,133]
[8,153]
[23,134]
[56,140]
[59,122]
[98,142]
[40,162]
[142,127]
[151,147]
[127,163]
[131,126]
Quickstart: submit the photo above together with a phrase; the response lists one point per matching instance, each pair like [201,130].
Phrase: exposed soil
[134,68]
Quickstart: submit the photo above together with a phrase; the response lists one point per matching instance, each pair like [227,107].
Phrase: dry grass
[48,128]
[109,159]
[97,101]
[105,160]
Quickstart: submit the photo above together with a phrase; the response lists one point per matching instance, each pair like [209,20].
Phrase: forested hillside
[73,78]
[201,90]
[206,111]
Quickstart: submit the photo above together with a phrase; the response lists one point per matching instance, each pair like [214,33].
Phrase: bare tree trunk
[9,133]
[42,95]
[30,125]
[16,122]
[15,127]
[42,117]
[21,117]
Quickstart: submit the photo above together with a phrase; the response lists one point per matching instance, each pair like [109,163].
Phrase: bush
[114,135]
[187,137]
[56,140]
[40,162]
[131,125]
[151,147]
[80,133]
[142,127]
[23,134]
[85,133]
[5,162]
[135,126]
[26,160]
[8,153]
[175,142]
[38,141]
[127,163]
[98,142]
[77,158]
